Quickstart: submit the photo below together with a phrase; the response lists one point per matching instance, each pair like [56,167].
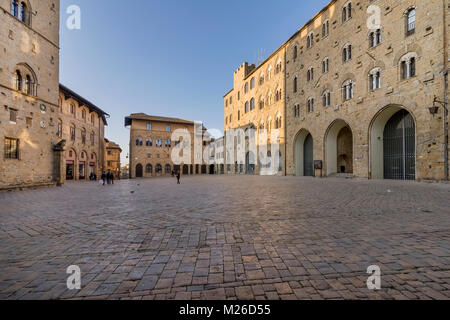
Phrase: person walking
[112,178]
[178,177]
[108,177]
[103,177]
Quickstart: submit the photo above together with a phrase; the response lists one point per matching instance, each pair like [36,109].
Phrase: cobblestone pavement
[226,237]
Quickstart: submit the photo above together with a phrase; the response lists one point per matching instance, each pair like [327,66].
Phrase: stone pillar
[59,175]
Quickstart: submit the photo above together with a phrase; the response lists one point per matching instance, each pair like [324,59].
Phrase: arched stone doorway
[250,163]
[185,169]
[339,148]
[82,167]
[304,154]
[71,159]
[393,145]
[139,171]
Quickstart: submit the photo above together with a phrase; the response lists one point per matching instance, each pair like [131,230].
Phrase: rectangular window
[11,148]
[149,127]
[168,128]
[12,116]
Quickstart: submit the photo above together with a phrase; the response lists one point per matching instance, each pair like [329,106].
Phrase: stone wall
[365,111]
[35,49]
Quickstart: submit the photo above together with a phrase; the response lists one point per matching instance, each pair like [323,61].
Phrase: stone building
[29,89]
[362,100]
[257,101]
[81,124]
[112,161]
[359,105]
[48,133]
[151,146]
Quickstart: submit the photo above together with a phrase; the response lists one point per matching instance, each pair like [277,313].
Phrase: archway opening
[250,163]
[139,171]
[339,149]
[304,145]
[393,145]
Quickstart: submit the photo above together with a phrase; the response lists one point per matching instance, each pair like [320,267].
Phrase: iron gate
[399,147]
[308,157]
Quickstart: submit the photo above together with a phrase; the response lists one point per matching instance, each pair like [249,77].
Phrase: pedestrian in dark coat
[178,177]
[103,177]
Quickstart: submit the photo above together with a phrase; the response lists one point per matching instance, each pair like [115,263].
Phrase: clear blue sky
[167,57]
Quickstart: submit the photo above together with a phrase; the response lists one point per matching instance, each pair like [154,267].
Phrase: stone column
[59,175]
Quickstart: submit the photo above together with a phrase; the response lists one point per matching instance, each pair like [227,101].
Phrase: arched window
[247,107]
[325,28]
[149,142]
[296,110]
[18,80]
[269,98]
[158,143]
[375,38]
[246,87]
[72,109]
[15,8]
[310,105]
[252,83]
[278,122]
[294,53]
[261,78]
[21,11]
[83,136]
[59,132]
[261,102]
[25,79]
[239,115]
[375,79]
[310,74]
[149,169]
[347,89]
[269,72]
[347,53]
[310,40]
[83,114]
[410,21]
[326,98]
[139,142]
[278,67]
[295,84]
[72,132]
[325,65]
[158,168]
[92,138]
[252,104]
[278,95]
[408,66]
[168,169]
[347,12]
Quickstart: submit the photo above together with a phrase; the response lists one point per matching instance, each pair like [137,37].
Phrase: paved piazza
[227,237]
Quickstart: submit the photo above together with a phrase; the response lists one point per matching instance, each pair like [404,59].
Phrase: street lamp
[434,110]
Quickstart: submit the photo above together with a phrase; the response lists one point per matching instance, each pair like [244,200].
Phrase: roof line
[287,41]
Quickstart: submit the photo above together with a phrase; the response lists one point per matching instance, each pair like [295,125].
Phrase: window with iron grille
[11,148]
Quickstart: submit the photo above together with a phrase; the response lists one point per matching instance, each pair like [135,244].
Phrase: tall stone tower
[29,86]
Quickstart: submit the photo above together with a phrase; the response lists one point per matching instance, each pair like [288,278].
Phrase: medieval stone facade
[151,147]
[257,101]
[82,125]
[48,133]
[366,100]
[29,88]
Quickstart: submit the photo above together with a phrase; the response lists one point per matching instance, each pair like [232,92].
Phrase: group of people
[107,178]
